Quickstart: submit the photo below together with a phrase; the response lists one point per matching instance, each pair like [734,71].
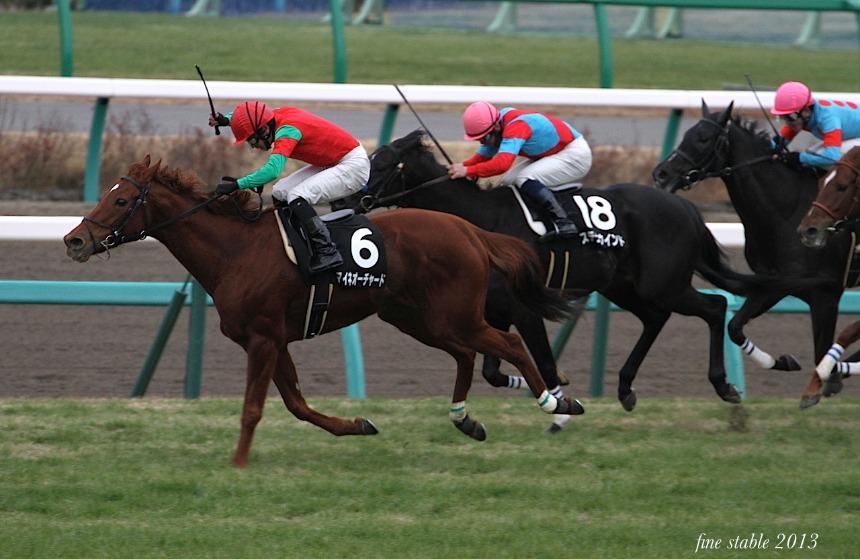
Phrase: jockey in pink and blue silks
[835,123]
[555,153]
[337,166]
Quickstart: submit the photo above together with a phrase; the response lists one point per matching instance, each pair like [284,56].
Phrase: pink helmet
[249,117]
[478,119]
[791,97]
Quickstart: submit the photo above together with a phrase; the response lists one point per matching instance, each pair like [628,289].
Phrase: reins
[699,173]
[117,237]
[370,201]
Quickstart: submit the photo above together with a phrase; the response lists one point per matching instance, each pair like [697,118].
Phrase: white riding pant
[569,165]
[326,184]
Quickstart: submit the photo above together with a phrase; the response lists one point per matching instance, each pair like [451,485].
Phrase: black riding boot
[564,227]
[324,253]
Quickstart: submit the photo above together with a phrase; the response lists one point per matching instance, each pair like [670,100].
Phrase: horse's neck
[201,243]
[763,194]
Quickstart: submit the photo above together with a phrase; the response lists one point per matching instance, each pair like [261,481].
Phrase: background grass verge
[145,45]
[150,478]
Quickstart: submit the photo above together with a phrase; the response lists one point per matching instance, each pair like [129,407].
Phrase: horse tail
[713,266]
[520,264]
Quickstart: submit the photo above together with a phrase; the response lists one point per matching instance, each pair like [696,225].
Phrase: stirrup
[323,262]
[563,231]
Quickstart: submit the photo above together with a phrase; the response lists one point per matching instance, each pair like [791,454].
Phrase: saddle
[364,260]
[596,221]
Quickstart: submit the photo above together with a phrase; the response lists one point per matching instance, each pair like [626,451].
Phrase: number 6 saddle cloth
[364,260]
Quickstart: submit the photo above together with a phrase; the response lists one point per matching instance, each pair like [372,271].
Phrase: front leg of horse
[827,379]
[260,361]
[287,382]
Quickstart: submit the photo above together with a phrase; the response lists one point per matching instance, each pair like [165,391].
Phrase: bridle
[117,237]
[713,164]
[840,222]
[395,179]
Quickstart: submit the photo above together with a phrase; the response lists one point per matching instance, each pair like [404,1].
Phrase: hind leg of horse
[287,382]
[501,313]
[754,306]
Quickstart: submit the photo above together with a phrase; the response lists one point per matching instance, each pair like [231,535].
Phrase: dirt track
[97,351]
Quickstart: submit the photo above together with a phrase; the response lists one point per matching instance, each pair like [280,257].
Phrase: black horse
[659,241]
[770,198]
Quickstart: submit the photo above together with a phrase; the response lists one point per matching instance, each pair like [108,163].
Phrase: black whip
[766,116]
[424,126]
[211,106]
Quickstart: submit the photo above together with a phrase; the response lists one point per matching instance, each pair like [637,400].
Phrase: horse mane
[752,127]
[189,184]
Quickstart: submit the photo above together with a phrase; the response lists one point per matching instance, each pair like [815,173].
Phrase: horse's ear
[726,114]
[146,161]
[705,111]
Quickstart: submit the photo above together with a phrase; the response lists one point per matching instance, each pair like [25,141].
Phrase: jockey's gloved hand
[226,186]
[792,159]
[218,120]
[780,144]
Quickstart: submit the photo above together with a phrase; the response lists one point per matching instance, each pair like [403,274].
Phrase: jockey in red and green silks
[337,166]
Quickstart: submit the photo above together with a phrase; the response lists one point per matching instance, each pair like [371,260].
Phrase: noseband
[713,164]
[839,222]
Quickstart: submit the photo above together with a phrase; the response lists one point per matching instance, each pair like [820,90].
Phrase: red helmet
[249,117]
[478,120]
[791,97]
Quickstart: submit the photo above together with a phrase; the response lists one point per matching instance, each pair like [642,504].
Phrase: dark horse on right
[770,198]
[639,247]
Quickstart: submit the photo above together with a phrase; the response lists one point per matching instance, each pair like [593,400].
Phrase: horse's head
[118,217]
[838,201]
[701,153]
[130,211]
[396,169]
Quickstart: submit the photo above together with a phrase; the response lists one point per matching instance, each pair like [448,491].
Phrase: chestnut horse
[836,208]
[434,289]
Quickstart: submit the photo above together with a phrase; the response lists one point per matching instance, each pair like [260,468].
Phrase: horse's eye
[121,202]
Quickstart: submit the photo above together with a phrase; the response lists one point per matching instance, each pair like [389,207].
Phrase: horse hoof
[367,427]
[807,402]
[629,402]
[558,423]
[786,363]
[472,428]
[562,379]
[568,406]
[731,395]
[833,386]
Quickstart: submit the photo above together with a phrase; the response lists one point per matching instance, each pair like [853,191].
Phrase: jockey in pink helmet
[835,123]
[555,153]
[337,165]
